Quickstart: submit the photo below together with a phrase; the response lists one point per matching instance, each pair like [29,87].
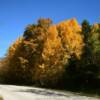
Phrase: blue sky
[15,15]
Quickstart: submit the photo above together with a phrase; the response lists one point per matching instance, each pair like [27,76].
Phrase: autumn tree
[40,56]
[82,67]
[72,42]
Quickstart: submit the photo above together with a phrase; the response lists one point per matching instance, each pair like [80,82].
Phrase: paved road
[11,92]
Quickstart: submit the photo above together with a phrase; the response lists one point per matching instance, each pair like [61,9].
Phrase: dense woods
[55,55]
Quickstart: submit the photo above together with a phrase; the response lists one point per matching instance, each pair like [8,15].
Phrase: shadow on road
[43,92]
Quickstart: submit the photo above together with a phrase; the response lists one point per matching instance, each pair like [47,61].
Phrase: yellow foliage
[53,33]
[71,38]
[14,46]
[47,50]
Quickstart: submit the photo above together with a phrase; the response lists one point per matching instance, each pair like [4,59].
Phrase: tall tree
[86,29]
[44,50]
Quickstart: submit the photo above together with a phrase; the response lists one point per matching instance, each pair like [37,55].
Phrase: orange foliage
[47,50]
[14,46]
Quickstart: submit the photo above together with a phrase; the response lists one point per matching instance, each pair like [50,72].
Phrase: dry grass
[1,98]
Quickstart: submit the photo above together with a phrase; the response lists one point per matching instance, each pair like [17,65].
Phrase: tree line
[55,55]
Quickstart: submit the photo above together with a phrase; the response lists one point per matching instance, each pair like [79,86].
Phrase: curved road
[11,92]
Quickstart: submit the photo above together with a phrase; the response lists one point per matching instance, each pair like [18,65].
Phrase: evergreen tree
[86,29]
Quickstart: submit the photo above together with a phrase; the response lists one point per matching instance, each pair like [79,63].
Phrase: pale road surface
[11,92]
